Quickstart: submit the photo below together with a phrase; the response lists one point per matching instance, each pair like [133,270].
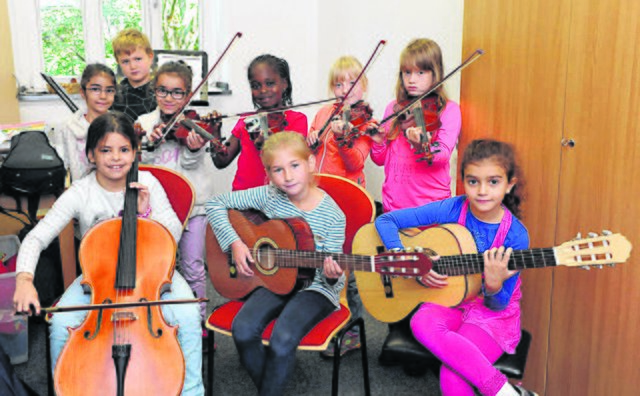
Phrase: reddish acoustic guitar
[281,247]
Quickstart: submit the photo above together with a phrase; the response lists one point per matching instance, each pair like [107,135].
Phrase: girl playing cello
[111,143]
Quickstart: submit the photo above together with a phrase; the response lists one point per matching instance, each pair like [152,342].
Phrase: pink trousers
[467,352]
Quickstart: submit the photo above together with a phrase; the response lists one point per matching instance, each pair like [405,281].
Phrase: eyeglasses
[96,91]
[176,93]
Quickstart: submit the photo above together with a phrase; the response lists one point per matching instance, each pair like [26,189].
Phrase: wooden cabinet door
[515,93]
[594,335]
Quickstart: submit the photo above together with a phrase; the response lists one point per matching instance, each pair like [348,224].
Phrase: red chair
[179,190]
[359,210]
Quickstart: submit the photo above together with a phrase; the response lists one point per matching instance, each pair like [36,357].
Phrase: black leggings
[270,367]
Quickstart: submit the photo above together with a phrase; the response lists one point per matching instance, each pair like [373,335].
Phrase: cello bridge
[124,317]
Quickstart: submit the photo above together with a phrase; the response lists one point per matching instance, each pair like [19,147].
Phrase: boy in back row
[134,55]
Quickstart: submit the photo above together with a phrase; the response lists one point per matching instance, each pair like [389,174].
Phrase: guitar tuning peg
[606,232]
[585,267]
[407,249]
[592,234]
[418,249]
[395,250]
[579,235]
[611,265]
[599,266]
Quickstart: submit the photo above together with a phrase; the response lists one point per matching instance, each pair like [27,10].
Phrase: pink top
[504,325]
[409,183]
[251,172]
[343,161]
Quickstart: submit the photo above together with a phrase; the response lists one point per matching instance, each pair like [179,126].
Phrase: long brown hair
[424,54]
[505,156]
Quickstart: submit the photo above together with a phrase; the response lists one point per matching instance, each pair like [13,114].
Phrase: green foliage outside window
[181,25]
[62,40]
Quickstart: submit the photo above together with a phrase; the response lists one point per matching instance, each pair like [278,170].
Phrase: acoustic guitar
[282,246]
[390,299]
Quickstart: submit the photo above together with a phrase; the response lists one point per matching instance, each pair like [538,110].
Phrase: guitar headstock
[596,250]
[403,263]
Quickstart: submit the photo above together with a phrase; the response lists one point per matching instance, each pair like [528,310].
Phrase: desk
[66,237]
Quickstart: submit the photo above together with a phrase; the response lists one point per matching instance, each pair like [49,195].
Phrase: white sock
[507,390]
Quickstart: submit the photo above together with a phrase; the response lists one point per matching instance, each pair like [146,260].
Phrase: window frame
[26,35]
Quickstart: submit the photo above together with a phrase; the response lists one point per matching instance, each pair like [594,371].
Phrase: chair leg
[211,343]
[335,380]
[365,358]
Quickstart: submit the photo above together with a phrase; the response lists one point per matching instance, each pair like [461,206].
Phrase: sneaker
[350,342]
[523,392]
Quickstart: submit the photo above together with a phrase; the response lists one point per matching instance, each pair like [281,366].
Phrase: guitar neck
[310,259]
[474,263]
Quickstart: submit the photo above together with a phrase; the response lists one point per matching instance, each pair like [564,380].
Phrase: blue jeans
[185,316]
[270,367]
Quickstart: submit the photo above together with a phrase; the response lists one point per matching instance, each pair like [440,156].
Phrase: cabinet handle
[568,143]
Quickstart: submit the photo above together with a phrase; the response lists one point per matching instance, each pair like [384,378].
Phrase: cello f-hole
[153,333]
[88,336]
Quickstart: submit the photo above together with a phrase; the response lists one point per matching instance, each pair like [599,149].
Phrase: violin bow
[274,110]
[60,92]
[337,108]
[178,113]
[472,58]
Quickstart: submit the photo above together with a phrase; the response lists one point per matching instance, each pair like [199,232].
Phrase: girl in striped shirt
[291,193]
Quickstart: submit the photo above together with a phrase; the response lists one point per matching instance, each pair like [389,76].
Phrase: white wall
[310,35]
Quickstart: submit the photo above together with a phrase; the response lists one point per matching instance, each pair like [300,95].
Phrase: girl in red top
[332,157]
[270,88]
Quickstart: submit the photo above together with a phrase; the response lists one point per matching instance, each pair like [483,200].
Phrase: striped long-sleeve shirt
[327,222]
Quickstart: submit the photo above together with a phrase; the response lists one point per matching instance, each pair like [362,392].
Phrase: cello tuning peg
[606,232]
[593,234]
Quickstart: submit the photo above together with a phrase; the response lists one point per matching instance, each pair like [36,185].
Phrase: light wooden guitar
[281,247]
[391,299]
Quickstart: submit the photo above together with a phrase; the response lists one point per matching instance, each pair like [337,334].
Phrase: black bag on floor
[32,168]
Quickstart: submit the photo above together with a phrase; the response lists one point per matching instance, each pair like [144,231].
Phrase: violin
[338,106]
[180,131]
[358,115]
[261,126]
[130,349]
[423,112]
[424,115]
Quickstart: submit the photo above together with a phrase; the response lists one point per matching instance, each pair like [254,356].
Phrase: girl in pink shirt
[411,181]
[270,89]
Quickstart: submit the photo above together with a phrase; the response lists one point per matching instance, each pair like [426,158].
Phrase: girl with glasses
[172,85]
[98,89]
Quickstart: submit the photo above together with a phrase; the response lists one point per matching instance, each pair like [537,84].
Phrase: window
[118,15]
[181,25]
[60,36]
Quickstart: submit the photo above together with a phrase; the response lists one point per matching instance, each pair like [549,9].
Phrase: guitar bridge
[388,287]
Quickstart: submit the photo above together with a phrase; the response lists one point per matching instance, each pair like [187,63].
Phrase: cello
[128,350]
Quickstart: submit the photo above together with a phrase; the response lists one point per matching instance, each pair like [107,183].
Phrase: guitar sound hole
[266,257]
